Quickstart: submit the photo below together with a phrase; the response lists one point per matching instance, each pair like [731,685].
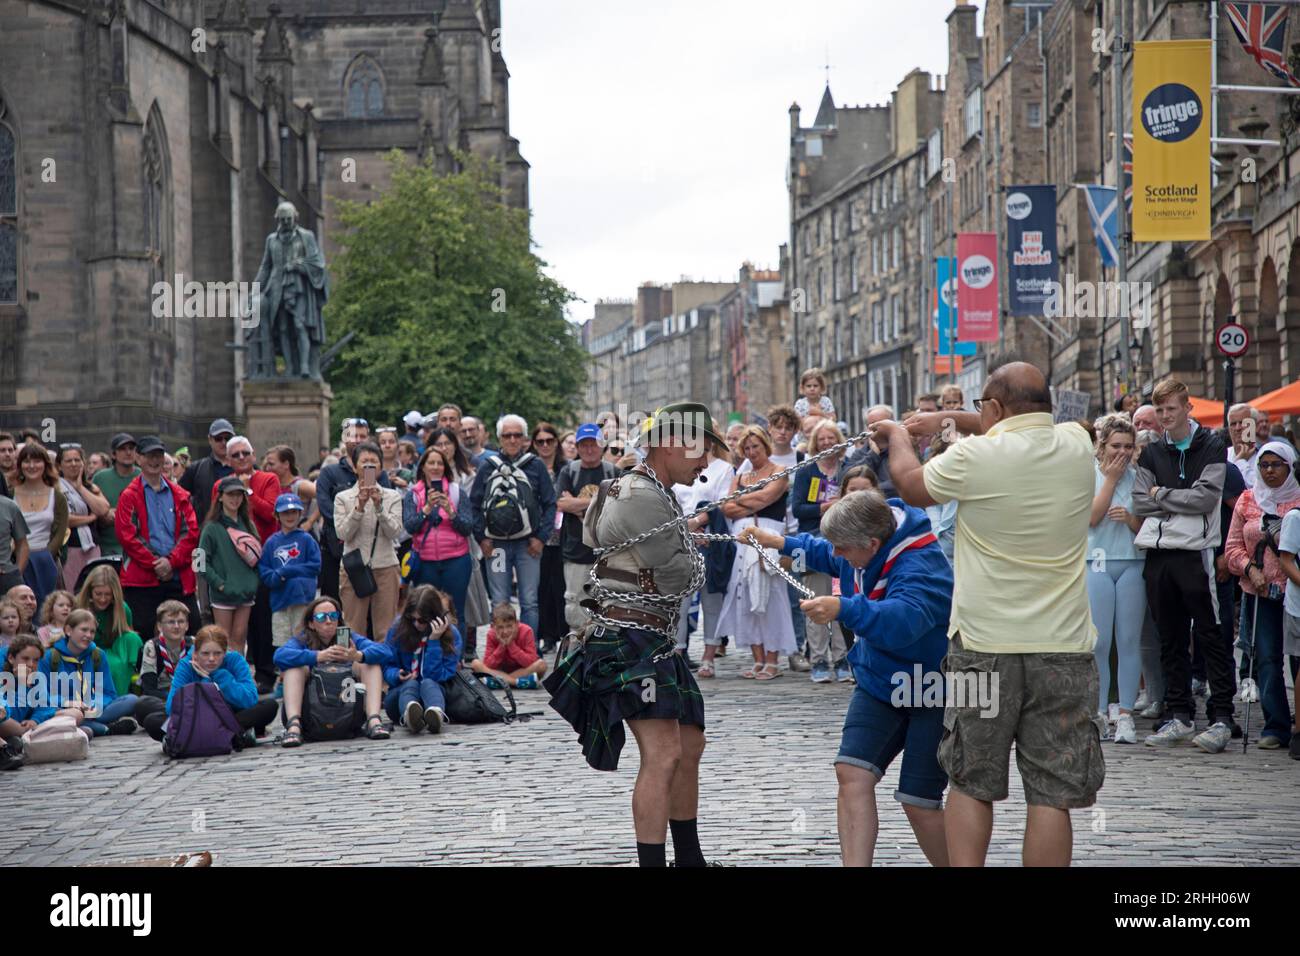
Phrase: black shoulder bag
[358,571]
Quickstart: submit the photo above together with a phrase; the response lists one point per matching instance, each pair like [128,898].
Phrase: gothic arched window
[364,87]
[156,192]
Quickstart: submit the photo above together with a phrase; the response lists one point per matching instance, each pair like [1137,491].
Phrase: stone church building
[145,139]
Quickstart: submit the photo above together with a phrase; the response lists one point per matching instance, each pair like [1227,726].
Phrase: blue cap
[589,431]
[288,502]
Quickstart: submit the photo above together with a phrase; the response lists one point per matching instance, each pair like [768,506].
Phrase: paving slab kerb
[522,794]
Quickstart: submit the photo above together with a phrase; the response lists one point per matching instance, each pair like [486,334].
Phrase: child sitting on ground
[54,612]
[813,400]
[160,657]
[511,657]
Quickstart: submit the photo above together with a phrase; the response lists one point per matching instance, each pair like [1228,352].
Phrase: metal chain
[774,566]
[671,603]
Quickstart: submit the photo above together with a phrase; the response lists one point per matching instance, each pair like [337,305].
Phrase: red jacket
[519,653]
[132,525]
[261,503]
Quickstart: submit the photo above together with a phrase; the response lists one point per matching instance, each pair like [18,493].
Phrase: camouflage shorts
[1045,704]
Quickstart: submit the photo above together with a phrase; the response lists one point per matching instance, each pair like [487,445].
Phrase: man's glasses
[979,402]
[320,617]
[355,423]
[241,454]
[505,435]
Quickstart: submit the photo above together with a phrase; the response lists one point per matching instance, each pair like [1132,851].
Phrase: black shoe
[12,757]
[122,726]
[1295,745]
[265,683]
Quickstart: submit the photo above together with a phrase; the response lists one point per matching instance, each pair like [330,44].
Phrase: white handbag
[58,739]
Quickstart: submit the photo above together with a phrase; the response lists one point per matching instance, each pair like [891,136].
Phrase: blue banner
[945,317]
[1032,262]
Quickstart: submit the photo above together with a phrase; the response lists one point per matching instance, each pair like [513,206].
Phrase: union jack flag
[1261,28]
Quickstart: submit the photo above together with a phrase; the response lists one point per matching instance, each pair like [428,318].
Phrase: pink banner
[977,290]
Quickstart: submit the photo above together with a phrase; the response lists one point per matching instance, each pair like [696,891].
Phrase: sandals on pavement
[768,672]
[292,733]
[753,671]
[375,728]
[705,671]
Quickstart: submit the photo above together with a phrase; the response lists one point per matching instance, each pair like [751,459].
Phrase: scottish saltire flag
[1261,28]
[1103,211]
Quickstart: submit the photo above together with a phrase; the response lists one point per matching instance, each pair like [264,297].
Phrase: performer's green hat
[688,420]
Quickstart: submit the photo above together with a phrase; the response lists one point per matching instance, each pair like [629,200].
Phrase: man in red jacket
[158,529]
[263,487]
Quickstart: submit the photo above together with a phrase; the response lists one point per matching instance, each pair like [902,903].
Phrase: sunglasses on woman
[320,617]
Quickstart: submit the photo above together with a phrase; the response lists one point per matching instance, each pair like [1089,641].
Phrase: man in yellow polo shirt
[1020,617]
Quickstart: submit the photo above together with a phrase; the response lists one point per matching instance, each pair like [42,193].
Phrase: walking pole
[1254,616]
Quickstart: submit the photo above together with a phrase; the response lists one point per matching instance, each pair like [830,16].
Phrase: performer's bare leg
[661,753]
[685,797]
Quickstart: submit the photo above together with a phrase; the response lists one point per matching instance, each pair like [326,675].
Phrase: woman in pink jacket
[1251,551]
[439,522]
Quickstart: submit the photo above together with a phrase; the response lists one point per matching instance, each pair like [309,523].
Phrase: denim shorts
[874,733]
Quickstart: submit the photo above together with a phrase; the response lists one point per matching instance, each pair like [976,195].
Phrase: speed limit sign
[1232,339]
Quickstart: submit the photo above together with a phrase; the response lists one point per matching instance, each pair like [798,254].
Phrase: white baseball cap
[412,418]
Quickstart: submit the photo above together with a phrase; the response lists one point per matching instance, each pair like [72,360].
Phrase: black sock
[651,854]
[686,843]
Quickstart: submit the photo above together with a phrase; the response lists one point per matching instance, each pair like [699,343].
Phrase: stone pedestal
[293,412]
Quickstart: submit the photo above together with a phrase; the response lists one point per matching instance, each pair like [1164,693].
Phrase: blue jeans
[875,732]
[451,575]
[1268,667]
[426,690]
[123,706]
[1118,599]
[513,556]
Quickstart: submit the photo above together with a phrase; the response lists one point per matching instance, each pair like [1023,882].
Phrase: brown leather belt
[643,579]
[633,616]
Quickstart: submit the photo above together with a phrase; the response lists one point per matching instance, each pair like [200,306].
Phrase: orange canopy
[1283,401]
[1207,412]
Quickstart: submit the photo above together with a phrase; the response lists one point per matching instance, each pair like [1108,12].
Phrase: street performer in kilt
[622,665]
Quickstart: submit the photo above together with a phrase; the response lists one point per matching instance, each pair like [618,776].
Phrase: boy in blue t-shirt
[289,567]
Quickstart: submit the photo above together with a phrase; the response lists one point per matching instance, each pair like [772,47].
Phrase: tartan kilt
[611,678]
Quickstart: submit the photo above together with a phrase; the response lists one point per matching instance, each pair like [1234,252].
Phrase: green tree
[439,282]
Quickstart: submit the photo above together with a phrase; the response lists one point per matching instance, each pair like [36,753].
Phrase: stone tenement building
[141,139]
[858,271]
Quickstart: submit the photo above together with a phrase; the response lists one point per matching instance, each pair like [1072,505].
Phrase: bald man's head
[1020,388]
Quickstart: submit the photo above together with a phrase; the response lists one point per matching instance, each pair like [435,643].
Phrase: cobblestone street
[523,795]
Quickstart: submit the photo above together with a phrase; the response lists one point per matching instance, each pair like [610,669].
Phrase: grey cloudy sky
[658,133]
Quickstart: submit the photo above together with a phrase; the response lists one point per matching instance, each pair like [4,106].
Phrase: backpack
[201,723]
[510,507]
[332,706]
[470,702]
[58,739]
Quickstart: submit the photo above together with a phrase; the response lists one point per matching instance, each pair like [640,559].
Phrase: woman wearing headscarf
[1252,553]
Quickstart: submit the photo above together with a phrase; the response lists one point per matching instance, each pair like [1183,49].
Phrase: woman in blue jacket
[896,596]
[316,645]
[423,649]
[211,660]
[76,675]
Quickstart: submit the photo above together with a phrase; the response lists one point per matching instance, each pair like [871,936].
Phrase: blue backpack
[201,723]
